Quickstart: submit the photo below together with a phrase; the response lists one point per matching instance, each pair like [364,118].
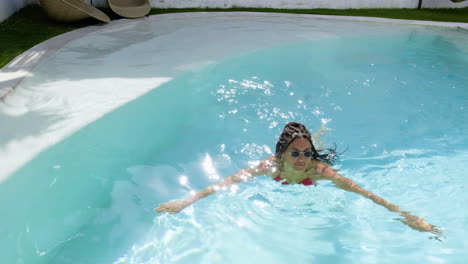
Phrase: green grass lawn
[30,26]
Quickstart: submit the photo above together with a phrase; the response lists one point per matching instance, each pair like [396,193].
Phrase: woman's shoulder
[268,167]
[323,169]
[320,166]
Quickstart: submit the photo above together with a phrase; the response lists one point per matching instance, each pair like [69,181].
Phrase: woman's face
[301,162]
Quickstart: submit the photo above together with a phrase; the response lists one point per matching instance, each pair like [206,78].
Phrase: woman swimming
[297,161]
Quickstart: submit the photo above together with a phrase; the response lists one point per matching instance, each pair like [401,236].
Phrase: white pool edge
[13,73]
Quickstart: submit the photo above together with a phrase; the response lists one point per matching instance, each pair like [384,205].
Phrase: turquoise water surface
[398,101]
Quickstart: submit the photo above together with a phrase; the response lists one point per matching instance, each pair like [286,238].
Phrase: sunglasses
[296,154]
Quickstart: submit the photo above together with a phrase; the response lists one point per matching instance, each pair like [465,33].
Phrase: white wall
[442,4]
[299,4]
[304,4]
[9,7]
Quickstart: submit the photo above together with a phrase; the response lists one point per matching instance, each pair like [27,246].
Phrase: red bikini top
[307,181]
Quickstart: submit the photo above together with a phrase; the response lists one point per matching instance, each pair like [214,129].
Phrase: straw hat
[130,8]
[71,10]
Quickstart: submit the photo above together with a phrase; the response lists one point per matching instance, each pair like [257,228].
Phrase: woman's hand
[419,224]
[172,207]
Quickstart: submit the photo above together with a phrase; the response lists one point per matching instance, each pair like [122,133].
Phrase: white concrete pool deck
[12,73]
[72,102]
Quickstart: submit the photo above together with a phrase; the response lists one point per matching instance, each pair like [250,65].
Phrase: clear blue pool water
[398,99]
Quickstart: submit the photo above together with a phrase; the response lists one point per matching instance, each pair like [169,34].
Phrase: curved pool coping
[13,73]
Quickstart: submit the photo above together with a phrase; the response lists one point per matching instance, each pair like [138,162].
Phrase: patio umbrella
[130,8]
[71,10]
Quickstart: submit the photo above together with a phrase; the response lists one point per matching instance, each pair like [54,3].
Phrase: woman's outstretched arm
[316,137]
[266,167]
[344,183]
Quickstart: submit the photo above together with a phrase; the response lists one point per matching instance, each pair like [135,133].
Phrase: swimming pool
[149,111]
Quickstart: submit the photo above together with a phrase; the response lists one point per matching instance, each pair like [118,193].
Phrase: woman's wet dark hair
[295,130]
